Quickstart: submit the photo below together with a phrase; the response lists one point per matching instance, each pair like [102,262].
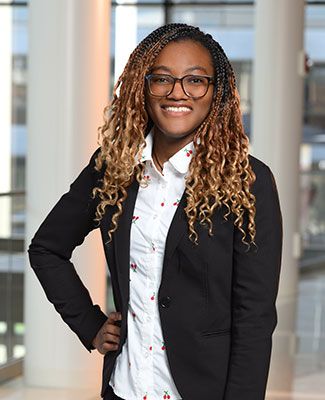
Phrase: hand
[108,336]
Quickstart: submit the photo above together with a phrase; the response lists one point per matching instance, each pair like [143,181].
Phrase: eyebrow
[195,67]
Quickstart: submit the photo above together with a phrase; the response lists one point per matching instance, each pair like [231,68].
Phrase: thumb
[114,316]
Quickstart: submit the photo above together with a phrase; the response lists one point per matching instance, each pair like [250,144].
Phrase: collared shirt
[141,371]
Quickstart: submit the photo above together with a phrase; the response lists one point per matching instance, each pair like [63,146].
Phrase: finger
[107,337]
[114,316]
[109,347]
[118,323]
[113,329]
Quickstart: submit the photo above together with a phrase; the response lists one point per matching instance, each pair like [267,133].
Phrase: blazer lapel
[177,229]
[121,237]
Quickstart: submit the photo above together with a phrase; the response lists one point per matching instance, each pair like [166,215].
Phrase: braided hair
[219,172]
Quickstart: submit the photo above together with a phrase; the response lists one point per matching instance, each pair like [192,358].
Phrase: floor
[307,368]
[15,390]
[306,388]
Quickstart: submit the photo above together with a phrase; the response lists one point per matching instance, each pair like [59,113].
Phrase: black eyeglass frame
[210,80]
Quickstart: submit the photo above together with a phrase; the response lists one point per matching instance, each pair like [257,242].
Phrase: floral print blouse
[141,370]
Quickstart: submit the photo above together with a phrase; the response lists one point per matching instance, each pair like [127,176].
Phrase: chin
[172,130]
[177,134]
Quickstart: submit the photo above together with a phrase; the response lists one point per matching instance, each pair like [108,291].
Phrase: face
[179,59]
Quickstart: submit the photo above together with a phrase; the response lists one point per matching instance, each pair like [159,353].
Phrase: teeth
[177,109]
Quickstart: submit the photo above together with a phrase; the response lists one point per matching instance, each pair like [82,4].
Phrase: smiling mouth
[172,110]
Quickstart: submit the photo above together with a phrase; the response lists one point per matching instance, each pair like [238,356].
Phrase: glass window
[213,18]
[313,167]
[12,179]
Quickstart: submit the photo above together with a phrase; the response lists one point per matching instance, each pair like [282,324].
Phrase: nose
[177,92]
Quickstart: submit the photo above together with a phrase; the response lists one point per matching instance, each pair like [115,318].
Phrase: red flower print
[166,395]
[135,218]
[163,347]
[134,267]
[132,312]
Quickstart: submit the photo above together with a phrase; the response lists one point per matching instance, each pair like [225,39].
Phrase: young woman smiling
[176,195]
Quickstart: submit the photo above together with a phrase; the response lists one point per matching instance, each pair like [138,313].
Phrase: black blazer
[216,300]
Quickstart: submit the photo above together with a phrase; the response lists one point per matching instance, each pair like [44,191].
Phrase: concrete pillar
[5,117]
[276,139]
[125,34]
[67,92]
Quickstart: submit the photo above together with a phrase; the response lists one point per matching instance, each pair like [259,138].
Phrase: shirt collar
[180,160]
[146,153]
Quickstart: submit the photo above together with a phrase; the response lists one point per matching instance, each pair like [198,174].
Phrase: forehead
[183,55]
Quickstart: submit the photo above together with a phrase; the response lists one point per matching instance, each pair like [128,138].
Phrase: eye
[196,80]
[161,79]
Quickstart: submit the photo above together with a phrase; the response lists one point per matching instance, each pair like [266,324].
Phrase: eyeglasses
[194,86]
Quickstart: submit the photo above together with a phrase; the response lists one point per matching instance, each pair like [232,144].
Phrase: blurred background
[58,64]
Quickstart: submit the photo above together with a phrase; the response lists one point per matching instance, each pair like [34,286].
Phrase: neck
[158,164]
[165,147]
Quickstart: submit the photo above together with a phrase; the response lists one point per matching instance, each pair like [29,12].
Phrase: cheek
[150,106]
[206,106]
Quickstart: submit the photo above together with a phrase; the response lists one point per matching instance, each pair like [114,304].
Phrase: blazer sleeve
[50,250]
[254,291]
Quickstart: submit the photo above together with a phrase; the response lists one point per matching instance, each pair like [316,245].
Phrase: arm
[255,287]
[64,228]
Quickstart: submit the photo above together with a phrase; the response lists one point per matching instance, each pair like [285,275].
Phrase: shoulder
[260,168]
[257,164]
[264,175]
[89,176]
[268,208]
[97,154]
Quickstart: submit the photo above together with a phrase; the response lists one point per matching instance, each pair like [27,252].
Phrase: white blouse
[141,370]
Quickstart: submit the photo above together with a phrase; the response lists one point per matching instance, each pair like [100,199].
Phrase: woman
[191,226]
